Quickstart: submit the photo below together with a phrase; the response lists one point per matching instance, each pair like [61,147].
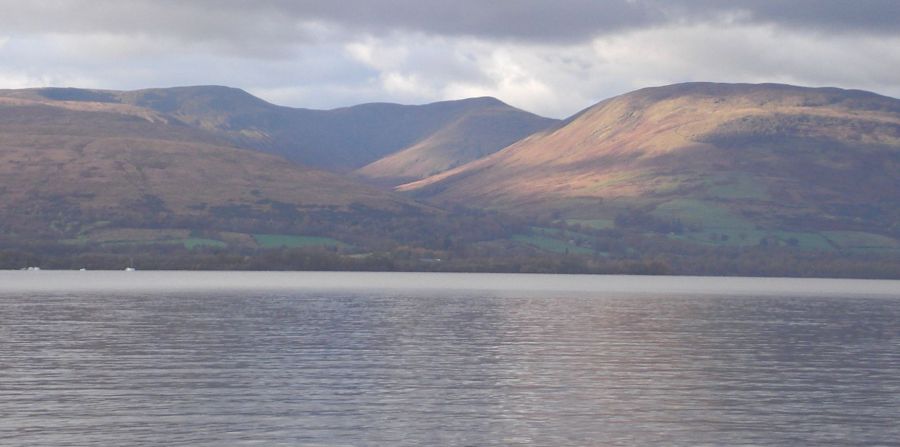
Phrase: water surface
[211,359]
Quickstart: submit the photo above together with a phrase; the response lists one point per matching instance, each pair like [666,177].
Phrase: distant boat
[129,269]
[82,269]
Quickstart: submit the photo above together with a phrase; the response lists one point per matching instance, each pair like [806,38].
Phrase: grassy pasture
[551,244]
[294,241]
[709,214]
[597,224]
[857,240]
[737,186]
[194,242]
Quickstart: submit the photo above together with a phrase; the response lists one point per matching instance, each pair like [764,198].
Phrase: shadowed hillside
[449,133]
[475,134]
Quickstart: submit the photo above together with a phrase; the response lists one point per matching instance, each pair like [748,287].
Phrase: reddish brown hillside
[737,155]
[65,166]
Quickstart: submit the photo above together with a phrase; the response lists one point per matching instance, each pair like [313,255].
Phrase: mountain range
[340,140]
[713,165]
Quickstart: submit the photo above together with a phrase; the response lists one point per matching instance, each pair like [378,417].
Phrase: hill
[731,164]
[448,133]
[476,133]
[85,171]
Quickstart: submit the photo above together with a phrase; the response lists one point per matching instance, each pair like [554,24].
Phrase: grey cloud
[280,22]
[277,20]
[248,31]
[579,19]
[551,57]
[865,16]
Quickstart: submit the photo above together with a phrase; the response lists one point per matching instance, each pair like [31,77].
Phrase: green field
[597,224]
[857,240]
[551,244]
[294,241]
[709,214]
[804,240]
[737,186]
[161,238]
[718,225]
[825,240]
[746,238]
[189,243]
[194,242]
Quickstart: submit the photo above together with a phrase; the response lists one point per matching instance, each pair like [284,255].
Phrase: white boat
[129,269]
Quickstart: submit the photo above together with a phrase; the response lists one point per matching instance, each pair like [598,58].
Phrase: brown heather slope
[342,140]
[65,166]
[476,134]
[723,155]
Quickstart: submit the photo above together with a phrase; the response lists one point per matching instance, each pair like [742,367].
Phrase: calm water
[219,359]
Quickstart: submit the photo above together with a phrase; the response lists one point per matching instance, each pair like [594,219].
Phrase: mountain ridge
[341,139]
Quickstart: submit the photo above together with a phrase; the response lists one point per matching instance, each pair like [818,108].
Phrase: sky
[550,57]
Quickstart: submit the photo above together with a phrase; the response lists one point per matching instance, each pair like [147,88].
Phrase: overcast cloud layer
[550,57]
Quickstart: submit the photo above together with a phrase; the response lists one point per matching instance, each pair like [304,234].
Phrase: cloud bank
[549,57]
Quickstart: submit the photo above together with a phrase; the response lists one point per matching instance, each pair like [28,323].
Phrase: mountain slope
[730,156]
[475,134]
[341,139]
[67,166]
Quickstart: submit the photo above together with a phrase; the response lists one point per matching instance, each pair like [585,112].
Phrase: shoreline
[186,280]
